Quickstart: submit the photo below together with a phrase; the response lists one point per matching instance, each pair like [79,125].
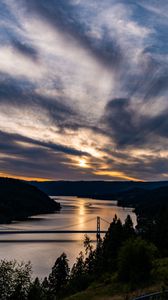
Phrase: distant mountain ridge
[93,188]
[19,200]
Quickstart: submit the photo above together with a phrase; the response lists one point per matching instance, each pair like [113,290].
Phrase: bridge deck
[4,232]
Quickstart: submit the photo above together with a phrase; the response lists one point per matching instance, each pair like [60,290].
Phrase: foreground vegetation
[126,263]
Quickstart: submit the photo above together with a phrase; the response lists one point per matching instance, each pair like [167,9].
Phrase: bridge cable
[76,224]
[105,220]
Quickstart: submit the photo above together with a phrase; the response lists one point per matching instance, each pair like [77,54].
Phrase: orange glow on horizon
[26,178]
[114,174]
[120,175]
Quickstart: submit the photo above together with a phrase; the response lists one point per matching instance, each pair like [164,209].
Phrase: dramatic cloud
[128,127]
[84,89]
[24,49]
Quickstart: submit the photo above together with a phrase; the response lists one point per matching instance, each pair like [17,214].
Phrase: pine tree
[112,243]
[59,276]
[79,276]
[36,291]
[78,268]
[128,227]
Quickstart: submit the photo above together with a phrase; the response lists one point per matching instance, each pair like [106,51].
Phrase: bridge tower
[98,230]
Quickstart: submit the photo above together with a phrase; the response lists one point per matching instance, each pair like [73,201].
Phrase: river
[43,249]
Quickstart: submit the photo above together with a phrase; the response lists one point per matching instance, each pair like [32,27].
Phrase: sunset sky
[84,89]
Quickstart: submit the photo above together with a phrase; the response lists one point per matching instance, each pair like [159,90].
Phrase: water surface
[43,249]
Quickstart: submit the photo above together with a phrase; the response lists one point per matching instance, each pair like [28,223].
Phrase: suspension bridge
[59,230]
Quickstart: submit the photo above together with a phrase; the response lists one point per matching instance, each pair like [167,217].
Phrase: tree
[78,268]
[135,261]
[59,276]
[161,231]
[98,259]
[22,280]
[87,245]
[128,228]
[36,291]
[46,289]
[112,243]
[15,280]
[79,278]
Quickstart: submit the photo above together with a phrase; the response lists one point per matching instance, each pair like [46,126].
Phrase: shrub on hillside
[135,261]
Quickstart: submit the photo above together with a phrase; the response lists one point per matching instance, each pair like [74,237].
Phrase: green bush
[135,261]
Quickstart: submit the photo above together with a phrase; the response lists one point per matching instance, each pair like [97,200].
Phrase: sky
[84,89]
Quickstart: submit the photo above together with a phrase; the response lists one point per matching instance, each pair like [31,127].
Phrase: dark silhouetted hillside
[18,200]
[147,203]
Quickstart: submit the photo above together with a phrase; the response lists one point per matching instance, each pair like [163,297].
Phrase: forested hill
[147,203]
[18,200]
[93,188]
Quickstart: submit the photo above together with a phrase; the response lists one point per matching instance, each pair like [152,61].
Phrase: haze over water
[43,249]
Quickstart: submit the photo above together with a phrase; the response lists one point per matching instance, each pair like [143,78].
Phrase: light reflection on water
[76,214]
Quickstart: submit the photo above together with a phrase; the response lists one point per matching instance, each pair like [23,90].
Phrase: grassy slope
[106,292]
[109,289]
